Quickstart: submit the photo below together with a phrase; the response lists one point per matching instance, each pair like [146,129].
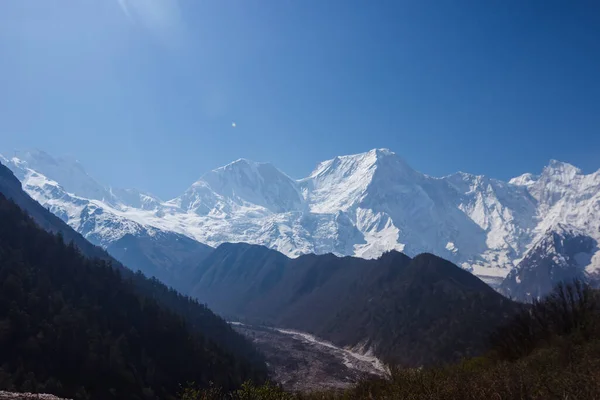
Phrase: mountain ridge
[403,310]
[363,205]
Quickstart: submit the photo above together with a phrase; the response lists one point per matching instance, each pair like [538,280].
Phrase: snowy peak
[242,172]
[555,171]
[343,182]
[136,199]
[68,172]
[526,179]
[561,170]
[241,164]
[344,166]
[561,185]
[42,172]
[242,184]
[559,175]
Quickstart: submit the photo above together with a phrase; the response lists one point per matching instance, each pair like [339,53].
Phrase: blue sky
[144,92]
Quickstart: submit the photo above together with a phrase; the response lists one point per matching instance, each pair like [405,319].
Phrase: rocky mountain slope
[560,255]
[360,205]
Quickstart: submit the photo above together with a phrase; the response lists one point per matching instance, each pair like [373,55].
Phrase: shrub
[568,310]
[549,351]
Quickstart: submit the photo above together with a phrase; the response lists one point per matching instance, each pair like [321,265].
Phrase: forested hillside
[195,315]
[76,327]
[11,188]
[161,255]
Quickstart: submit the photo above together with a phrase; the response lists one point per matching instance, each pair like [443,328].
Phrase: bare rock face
[27,396]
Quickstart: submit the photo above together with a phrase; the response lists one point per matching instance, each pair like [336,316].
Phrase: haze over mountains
[361,205]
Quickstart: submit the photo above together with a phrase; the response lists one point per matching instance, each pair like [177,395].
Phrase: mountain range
[360,205]
[407,311]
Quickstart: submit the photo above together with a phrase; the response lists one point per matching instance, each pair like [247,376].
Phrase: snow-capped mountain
[241,186]
[100,218]
[561,254]
[363,205]
[69,172]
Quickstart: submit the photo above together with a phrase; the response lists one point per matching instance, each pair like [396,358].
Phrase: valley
[301,362]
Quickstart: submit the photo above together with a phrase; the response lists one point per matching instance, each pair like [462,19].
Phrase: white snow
[362,205]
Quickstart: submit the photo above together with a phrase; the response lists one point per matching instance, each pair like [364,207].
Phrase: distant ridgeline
[407,311]
[360,205]
[89,328]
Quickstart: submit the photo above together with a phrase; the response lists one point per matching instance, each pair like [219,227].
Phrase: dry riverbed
[301,362]
[27,396]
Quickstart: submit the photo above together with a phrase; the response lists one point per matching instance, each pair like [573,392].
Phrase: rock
[25,396]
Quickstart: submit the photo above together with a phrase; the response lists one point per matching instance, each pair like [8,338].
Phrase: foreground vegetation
[77,328]
[550,350]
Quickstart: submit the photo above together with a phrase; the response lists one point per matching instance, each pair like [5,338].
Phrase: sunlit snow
[363,205]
